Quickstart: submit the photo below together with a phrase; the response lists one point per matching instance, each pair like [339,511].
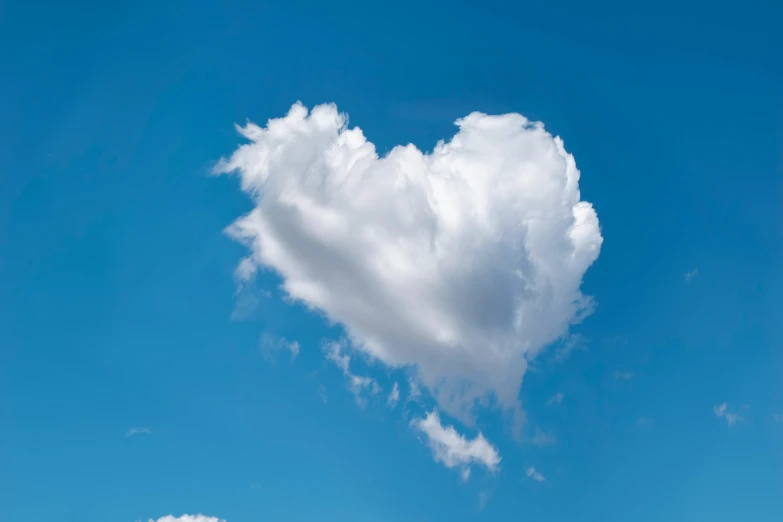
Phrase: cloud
[535,475]
[542,438]
[722,411]
[464,262]
[778,417]
[270,343]
[569,344]
[483,499]
[138,431]
[622,376]
[555,399]
[356,383]
[644,422]
[690,275]
[394,396]
[413,391]
[454,450]
[188,518]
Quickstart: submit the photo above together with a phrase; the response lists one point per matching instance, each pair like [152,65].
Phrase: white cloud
[483,499]
[394,396]
[138,431]
[644,422]
[356,383]
[555,399]
[454,450]
[569,343]
[622,376]
[413,390]
[464,262]
[722,411]
[690,275]
[535,475]
[542,438]
[270,343]
[188,518]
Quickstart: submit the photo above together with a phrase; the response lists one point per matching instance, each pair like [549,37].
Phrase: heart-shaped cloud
[464,262]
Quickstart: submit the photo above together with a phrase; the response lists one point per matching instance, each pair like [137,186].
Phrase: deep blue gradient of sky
[116,289]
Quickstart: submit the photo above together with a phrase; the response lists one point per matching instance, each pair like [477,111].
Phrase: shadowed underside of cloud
[464,262]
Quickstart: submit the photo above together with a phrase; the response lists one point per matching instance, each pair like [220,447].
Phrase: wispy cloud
[414,392]
[722,411]
[569,344]
[454,450]
[394,396]
[138,431]
[271,344]
[555,399]
[691,275]
[483,499]
[622,376]
[535,475]
[356,383]
[644,422]
[542,438]
[778,417]
[188,518]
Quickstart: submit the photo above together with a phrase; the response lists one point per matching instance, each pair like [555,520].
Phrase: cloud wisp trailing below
[454,450]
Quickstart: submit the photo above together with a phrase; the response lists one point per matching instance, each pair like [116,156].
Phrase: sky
[392,262]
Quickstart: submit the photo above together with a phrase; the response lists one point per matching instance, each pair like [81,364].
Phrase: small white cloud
[188,518]
[535,475]
[483,499]
[414,392]
[555,399]
[270,344]
[322,394]
[356,383]
[394,396]
[465,262]
[690,275]
[454,450]
[644,422]
[464,474]
[569,344]
[541,438]
[334,353]
[622,376]
[138,431]
[722,411]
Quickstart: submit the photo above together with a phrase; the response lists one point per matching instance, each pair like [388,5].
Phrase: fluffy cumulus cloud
[454,450]
[188,518]
[463,262]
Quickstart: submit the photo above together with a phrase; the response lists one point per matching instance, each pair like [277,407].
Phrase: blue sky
[139,378]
